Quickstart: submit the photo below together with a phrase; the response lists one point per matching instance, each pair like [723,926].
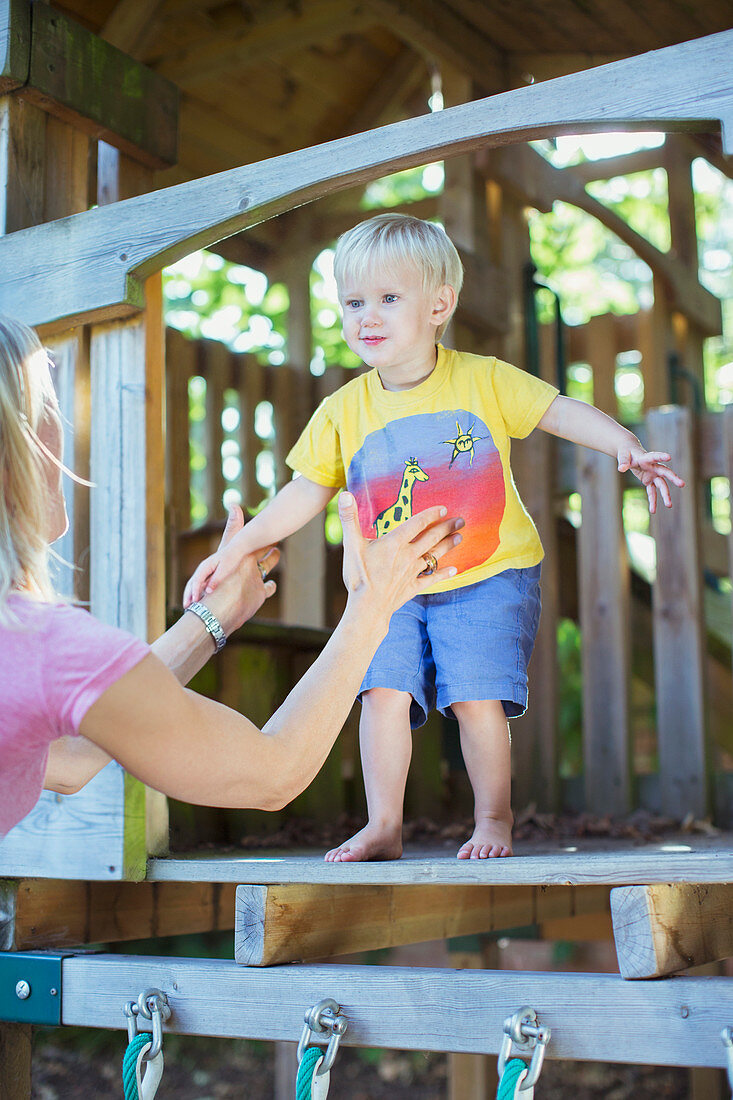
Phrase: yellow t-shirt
[445,441]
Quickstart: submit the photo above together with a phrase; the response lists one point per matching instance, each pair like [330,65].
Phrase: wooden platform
[679,858]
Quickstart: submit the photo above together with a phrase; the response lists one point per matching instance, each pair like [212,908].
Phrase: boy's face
[390,321]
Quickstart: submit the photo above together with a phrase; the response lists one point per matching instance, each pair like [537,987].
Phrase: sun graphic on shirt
[463,443]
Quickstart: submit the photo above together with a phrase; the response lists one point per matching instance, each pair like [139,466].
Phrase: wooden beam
[625,165]
[15,43]
[276,924]
[434,29]
[82,79]
[92,265]
[406,1007]
[660,930]
[56,913]
[539,183]
[677,859]
[128,26]
[270,35]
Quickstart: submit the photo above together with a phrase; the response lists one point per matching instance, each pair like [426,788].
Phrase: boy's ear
[444,303]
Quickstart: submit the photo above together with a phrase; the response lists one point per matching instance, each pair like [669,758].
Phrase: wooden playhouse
[97,195]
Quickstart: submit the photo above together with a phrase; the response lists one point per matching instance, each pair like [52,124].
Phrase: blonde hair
[25,389]
[393,240]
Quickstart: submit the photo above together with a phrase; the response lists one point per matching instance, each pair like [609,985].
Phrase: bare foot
[371,842]
[491,838]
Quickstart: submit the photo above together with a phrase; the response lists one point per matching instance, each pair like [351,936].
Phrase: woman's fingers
[267,560]
[437,535]
[451,539]
[235,523]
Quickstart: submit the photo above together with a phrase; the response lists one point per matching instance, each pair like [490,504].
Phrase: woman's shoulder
[52,624]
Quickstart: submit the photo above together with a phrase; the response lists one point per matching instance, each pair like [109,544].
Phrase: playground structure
[91,868]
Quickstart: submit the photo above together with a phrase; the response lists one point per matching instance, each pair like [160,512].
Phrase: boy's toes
[464,852]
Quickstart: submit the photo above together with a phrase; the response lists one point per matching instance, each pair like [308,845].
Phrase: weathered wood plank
[603,588]
[56,913]
[92,265]
[405,1007]
[662,929]
[679,643]
[15,1061]
[22,139]
[276,924]
[15,43]
[681,858]
[82,79]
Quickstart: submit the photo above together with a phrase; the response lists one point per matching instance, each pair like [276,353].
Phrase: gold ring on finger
[263,570]
[431,564]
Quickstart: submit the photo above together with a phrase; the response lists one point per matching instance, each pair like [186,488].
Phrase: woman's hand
[244,591]
[391,569]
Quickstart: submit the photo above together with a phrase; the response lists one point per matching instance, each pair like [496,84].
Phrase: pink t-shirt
[54,664]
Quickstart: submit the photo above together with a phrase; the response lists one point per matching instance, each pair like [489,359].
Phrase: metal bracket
[30,987]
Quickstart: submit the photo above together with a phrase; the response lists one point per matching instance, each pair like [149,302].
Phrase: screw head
[22,990]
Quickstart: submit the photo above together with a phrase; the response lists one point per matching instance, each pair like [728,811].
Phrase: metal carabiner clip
[523,1031]
[321,1020]
[153,1005]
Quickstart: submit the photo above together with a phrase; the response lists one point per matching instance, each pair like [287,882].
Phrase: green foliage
[571,706]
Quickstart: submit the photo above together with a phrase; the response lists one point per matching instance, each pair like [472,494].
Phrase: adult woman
[63,674]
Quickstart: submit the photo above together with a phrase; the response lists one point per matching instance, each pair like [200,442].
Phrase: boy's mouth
[372,340]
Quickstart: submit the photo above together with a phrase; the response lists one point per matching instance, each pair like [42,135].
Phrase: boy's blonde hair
[25,388]
[391,240]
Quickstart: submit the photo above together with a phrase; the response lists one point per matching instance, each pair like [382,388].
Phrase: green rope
[129,1064]
[304,1080]
[513,1070]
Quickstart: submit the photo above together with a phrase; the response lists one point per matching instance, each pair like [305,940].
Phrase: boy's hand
[649,467]
[222,563]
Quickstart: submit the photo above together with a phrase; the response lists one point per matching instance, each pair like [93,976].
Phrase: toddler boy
[430,425]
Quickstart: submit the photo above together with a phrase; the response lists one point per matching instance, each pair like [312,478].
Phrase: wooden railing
[657,687]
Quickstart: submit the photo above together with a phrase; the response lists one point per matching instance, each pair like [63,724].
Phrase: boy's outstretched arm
[584,424]
[289,510]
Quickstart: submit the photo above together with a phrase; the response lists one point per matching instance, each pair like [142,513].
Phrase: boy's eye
[390,297]
[353,303]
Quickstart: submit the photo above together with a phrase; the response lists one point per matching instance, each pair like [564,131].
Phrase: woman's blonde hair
[399,240]
[25,388]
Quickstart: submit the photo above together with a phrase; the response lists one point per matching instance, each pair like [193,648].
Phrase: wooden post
[215,366]
[15,1061]
[180,355]
[474,1076]
[679,640]
[304,575]
[603,585]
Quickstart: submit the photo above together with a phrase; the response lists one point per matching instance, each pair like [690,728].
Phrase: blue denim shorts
[467,644]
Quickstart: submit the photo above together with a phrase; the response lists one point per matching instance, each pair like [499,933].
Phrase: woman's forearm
[307,724]
[185,648]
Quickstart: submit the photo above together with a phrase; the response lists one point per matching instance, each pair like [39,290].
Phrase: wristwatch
[212,624]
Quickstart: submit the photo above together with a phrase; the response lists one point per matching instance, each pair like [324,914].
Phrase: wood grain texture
[678,859]
[661,1023]
[662,929]
[679,643]
[276,924]
[603,588]
[82,79]
[92,264]
[58,913]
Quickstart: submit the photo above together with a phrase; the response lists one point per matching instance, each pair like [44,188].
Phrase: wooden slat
[660,930]
[676,88]
[15,1061]
[85,81]
[57,914]
[180,357]
[728,447]
[681,858]
[22,147]
[407,1007]
[679,643]
[15,43]
[128,25]
[251,392]
[278,924]
[603,586]
[215,366]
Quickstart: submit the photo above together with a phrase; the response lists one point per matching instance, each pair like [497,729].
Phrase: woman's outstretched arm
[200,751]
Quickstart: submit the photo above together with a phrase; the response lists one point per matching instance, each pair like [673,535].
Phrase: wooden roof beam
[539,184]
[270,35]
[93,264]
[624,165]
[130,24]
[78,77]
[433,29]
